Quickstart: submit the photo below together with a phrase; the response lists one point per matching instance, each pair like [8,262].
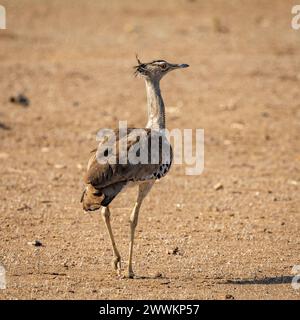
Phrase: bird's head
[156,69]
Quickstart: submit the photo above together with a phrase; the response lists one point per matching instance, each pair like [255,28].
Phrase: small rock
[218,186]
[179,206]
[20,99]
[229,297]
[57,177]
[35,243]
[60,166]
[174,251]
[158,275]
[237,125]
[25,207]
[293,182]
[267,137]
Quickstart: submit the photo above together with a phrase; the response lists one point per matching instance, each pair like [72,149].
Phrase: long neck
[156,107]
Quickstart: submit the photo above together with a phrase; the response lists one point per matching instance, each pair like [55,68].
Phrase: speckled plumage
[104,180]
[148,158]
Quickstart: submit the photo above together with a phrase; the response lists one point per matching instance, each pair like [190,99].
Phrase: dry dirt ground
[73,60]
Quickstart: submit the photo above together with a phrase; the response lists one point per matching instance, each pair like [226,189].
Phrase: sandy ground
[73,60]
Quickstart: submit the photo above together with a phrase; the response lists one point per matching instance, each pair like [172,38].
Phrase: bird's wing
[108,165]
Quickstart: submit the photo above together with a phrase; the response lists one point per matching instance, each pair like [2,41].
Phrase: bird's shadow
[143,277]
[266,280]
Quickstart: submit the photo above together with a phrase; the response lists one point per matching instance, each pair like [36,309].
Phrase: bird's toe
[116,263]
[131,274]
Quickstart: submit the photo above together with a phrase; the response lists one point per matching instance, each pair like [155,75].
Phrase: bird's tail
[91,198]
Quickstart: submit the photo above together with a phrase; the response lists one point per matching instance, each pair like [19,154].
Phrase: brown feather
[105,180]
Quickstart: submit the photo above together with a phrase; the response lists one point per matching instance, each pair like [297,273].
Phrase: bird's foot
[116,263]
[131,274]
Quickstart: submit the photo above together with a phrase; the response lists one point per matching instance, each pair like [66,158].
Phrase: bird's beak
[183,65]
[179,66]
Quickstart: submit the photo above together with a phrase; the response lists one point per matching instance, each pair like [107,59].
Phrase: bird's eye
[163,66]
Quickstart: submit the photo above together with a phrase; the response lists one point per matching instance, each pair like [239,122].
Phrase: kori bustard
[105,179]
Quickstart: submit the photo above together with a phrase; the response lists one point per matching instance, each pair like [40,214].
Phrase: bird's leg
[117,258]
[143,191]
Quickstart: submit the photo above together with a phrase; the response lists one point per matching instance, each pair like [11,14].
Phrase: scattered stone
[267,137]
[57,177]
[218,186]
[174,251]
[229,297]
[79,166]
[35,243]
[179,206]
[60,166]
[237,125]
[293,182]
[158,275]
[25,207]
[20,99]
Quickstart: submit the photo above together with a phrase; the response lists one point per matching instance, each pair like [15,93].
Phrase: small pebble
[178,206]
[174,251]
[158,275]
[293,182]
[60,166]
[218,186]
[20,99]
[35,243]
